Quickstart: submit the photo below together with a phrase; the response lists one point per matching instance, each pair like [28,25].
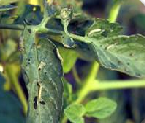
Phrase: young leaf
[10,107]
[100,108]
[75,112]
[43,71]
[69,58]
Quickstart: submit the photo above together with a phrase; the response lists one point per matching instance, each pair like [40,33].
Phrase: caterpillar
[42,73]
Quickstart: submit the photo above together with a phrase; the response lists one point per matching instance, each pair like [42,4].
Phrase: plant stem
[88,82]
[42,30]
[114,12]
[21,27]
[75,74]
[117,84]
[64,120]
[12,26]
[79,38]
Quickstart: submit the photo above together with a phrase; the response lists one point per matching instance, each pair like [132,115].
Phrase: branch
[117,84]
[21,27]
[12,26]
[88,82]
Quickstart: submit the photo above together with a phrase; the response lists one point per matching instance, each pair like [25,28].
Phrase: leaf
[121,53]
[69,58]
[79,24]
[7,2]
[114,51]
[10,107]
[7,7]
[31,15]
[75,112]
[49,8]
[100,108]
[43,73]
[101,28]
[7,49]
[85,52]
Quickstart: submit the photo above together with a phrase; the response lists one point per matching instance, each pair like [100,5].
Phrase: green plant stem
[116,84]
[75,74]
[80,38]
[114,12]
[64,120]
[12,26]
[88,82]
[40,29]
[21,27]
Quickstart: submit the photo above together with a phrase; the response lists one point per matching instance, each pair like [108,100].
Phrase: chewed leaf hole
[128,63]
[131,54]
[42,102]
[35,102]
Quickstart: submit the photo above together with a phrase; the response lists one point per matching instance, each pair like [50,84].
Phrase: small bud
[66,13]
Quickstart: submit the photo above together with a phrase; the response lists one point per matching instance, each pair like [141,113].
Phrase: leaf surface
[121,53]
[100,108]
[75,112]
[8,105]
[7,7]
[7,2]
[101,28]
[43,74]
[115,51]
[69,58]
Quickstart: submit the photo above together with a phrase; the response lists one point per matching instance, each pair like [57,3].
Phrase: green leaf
[43,74]
[7,49]
[85,52]
[69,58]
[7,2]
[10,107]
[7,7]
[114,51]
[121,53]
[49,9]
[30,15]
[100,108]
[75,112]
[101,28]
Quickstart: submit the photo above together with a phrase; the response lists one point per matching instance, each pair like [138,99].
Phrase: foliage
[98,108]
[9,106]
[75,113]
[45,90]
[50,37]
[66,54]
